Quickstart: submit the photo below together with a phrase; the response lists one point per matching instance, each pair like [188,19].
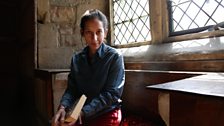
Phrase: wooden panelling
[136,98]
[58,86]
[195,110]
[196,66]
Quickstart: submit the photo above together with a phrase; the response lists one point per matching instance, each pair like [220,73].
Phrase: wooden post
[159,21]
[111,28]
[164,107]
[156,20]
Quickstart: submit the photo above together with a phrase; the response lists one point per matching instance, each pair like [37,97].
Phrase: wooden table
[181,102]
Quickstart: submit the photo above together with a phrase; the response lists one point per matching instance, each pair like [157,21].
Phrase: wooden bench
[137,100]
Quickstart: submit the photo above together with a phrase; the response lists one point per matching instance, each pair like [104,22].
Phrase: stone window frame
[159,26]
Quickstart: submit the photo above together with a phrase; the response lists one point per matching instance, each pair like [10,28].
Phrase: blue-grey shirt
[101,80]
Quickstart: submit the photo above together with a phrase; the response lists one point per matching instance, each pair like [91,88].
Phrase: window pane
[193,14]
[131,21]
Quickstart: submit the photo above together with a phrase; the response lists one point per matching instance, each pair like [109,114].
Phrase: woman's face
[94,33]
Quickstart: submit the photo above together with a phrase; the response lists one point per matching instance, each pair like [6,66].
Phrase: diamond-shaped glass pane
[131,21]
[217,15]
[190,14]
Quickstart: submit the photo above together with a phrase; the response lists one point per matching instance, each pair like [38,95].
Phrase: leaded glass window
[131,21]
[189,16]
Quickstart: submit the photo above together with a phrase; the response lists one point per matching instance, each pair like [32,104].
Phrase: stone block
[48,36]
[66,29]
[69,41]
[99,4]
[68,2]
[62,14]
[55,58]
[43,8]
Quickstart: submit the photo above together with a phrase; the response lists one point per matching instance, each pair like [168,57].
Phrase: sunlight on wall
[168,51]
[135,50]
[215,43]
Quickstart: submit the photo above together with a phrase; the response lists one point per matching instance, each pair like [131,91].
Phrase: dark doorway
[17,36]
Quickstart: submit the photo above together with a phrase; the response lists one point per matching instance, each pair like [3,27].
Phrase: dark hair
[92,14]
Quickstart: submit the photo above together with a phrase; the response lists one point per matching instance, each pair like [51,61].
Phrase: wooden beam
[111,27]
[156,20]
[165,20]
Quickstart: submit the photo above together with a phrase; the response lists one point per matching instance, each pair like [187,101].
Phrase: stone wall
[58,32]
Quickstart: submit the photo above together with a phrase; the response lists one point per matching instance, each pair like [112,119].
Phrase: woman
[98,72]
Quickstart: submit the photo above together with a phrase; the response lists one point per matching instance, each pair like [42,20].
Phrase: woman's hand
[60,116]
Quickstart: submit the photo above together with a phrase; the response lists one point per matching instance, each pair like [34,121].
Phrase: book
[74,114]
[77,110]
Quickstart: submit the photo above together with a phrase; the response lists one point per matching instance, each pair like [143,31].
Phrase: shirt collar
[100,52]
